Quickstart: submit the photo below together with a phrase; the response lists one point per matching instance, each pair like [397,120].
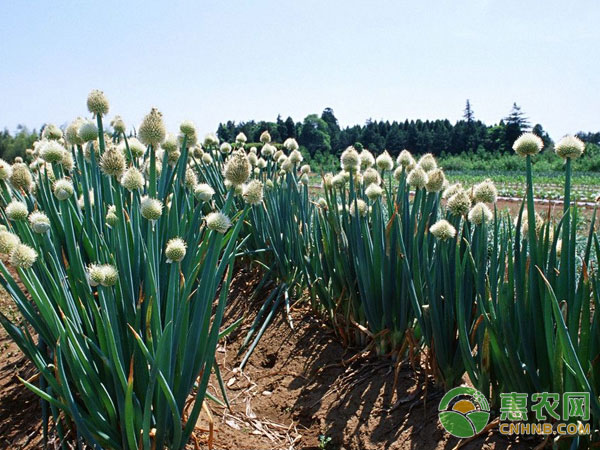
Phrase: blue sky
[210,61]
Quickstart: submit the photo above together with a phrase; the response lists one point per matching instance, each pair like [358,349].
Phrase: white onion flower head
[225,148]
[8,241]
[427,162]
[188,129]
[136,147]
[151,208]
[570,147]
[110,275]
[322,203]
[132,179]
[295,157]
[253,192]
[16,210]
[63,189]
[451,190]
[305,169]
[39,222]
[485,192]
[405,159]
[207,159]
[265,137]
[398,172]
[112,162]
[111,216]
[23,256]
[350,159]
[361,205]
[5,170]
[152,129]
[539,223]
[252,158]
[459,203]
[118,125]
[269,184]
[417,177]
[327,180]
[287,165]
[261,163]
[371,176]
[528,144]
[480,213]
[267,150]
[21,177]
[52,152]
[176,250]
[443,230]
[366,159]
[217,221]
[52,132]
[210,140]
[204,192]
[290,144]
[95,275]
[237,169]
[88,131]
[384,161]
[241,138]
[170,144]
[97,103]
[435,180]
[373,191]
[72,132]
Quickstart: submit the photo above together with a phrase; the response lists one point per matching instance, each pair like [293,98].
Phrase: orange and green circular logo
[464,412]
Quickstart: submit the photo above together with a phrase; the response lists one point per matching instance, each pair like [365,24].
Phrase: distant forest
[321,138]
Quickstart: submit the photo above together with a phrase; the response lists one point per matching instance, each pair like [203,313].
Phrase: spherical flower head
[385,161]
[170,144]
[442,230]
[152,130]
[459,203]
[16,210]
[305,169]
[417,178]
[207,159]
[253,192]
[405,159]
[18,159]
[217,221]
[485,192]
[112,162]
[371,176]
[187,128]
[21,177]
[570,147]
[269,184]
[350,159]
[252,158]
[261,163]
[110,275]
[237,169]
[241,138]
[435,180]
[136,148]
[23,256]
[95,275]
[528,144]
[451,190]
[8,241]
[361,205]
[290,144]
[118,125]
[225,148]
[366,159]
[398,172]
[295,157]
[39,222]
[63,189]
[111,216]
[52,132]
[373,191]
[265,137]
[97,103]
[67,161]
[173,157]
[191,180]
[88,131]
[72,132]
[338,180]
[175,251]
[52,151]
[427,162]
[5,170]
[267,150]
[479,214]
[132,179]
[204,192]
[211,140]
[151,208]
[539,223]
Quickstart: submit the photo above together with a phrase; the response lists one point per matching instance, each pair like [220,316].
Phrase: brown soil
[297,386]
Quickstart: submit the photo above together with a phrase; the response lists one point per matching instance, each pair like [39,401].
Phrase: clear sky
[210,61]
